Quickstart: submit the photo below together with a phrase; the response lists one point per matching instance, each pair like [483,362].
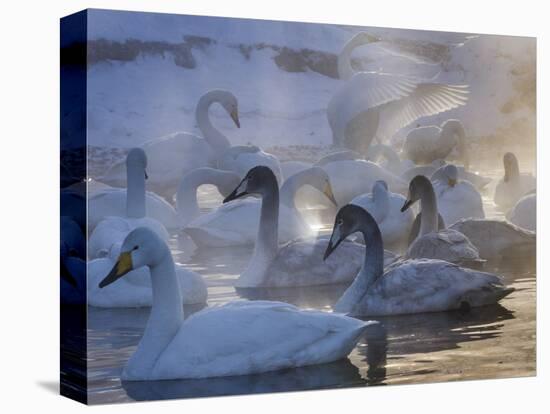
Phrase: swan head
[380,186]
[451,173]
[349,219]
[318,179]
[511,165]
[141,247]
[137,158]
[417,187]
[259,180]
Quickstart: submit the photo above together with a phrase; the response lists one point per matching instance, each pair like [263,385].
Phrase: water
[491,342]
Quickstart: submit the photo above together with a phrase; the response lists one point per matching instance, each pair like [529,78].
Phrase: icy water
[490,342]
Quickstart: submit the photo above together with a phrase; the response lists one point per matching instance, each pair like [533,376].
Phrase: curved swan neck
[135,191]
[213,136]
[428,207]
[292,184]
[268,240]
[345,70]
[371,270]
[186,198]
[165,318]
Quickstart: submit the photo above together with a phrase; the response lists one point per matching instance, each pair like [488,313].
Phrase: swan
[514,184]
[524,213]
[297,263]
[478,181]
[135,290]
[351,178]
[171,156]
[392,161]
[113,202]
[497,239]
[237,223]
[431,243]
[187,205]
[410,286]
[385,207]
[456,199]
[372,105]
[73,277]
[424,145]
[289,168]
[238,338]
[113,229]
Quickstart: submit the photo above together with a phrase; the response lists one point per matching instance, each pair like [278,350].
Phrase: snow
[130,102]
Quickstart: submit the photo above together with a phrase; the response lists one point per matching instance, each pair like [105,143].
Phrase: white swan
[135,290]
[298,263]
[237,223]
[434,172]
[424,145]
[241,158]
[514,184]
[497,239]
[431,243]
[235,339]
[370,104]
[412,286]
[524,213]
[456,199]
[187,205]
[391,160]
[385,207]
[351,178]
[112,230]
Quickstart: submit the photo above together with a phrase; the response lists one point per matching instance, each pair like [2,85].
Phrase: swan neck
[345,70]
[267,240]
[371,270]
[165,318]
[428,207]
[511,171]
[382,203]
[135,191]
[290,188]
[186,198]
[211,134]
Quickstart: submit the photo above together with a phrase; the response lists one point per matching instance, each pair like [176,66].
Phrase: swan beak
[66,275]
[334,242]
[406,206]
[146,176]
[121,267]
[235,117]
[327,191]
[238,192]
[452,182]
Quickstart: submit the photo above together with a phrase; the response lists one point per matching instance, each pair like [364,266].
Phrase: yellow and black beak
[121,267]
[235,117]
[327,191]
[406,206]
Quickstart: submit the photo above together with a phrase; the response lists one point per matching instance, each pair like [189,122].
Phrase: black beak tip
[406,206]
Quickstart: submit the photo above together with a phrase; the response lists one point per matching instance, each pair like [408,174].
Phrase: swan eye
[340,222]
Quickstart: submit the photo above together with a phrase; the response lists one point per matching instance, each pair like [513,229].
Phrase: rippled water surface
[491,342]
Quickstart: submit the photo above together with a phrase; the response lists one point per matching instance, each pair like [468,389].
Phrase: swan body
[432,243]
[289,168]
[497,239]
[298,263]
[524,213]
[238,338]
[113,230]
[385,207]
[351,178]
[514,184]
[424,145]
[410,286]
[236,223]
[370,104]
[456,199]
[478,181]
[111,202]
[241,158]
[135,290]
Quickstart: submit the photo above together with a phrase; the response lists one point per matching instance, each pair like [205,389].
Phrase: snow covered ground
[148,71]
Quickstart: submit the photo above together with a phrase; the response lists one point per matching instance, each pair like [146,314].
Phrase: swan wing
[415,286]
[250,337]
[426,99]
